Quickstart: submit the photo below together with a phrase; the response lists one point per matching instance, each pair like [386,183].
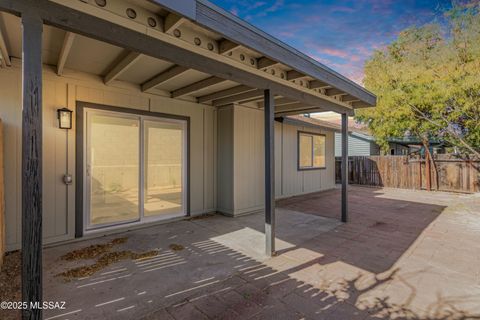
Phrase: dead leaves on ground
[104,256]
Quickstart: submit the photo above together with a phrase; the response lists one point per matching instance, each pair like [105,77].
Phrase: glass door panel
[163,168]
[113,169]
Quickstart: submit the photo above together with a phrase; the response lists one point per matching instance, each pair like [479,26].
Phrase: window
[311,151]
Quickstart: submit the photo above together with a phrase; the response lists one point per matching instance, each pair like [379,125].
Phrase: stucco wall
[59,200]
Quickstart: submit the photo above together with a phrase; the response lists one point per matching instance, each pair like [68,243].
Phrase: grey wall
[356,146]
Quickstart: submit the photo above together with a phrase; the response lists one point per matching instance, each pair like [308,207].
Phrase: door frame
[80,157]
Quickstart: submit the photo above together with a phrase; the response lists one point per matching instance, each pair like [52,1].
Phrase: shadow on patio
[385,264]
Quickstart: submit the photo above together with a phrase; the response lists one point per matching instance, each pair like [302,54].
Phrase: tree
[428,83]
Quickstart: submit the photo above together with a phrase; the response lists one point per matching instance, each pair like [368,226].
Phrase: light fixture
[64,118]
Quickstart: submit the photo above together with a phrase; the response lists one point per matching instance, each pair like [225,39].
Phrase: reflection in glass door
[113,169]
[124,152]
[163,168]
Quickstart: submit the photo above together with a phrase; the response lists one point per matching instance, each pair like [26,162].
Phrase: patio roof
[192,50]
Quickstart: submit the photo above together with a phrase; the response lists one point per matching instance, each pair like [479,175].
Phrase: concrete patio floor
[404,255]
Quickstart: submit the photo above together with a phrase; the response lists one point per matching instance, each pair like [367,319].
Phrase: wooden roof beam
[242,97]
[265,62]
[335,92]
[315,84]
[121,67]
[199,85]
[65,51]
[294,75]
[349,98]
[224,93]
[172,21]
[163,77]
[227,46]
[4,50]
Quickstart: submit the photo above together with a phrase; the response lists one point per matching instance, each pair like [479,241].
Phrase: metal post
[344,167]
[269,108]
[32,163]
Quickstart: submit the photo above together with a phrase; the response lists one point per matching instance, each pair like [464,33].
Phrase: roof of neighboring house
[302,120]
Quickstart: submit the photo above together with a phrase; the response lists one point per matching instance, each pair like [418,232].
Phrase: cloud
[341,34]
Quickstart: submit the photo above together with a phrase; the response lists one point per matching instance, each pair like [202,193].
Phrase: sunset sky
[339,33]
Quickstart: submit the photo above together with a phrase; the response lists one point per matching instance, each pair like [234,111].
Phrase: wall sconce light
[64,118]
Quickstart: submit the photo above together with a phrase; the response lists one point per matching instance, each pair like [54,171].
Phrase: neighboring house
[170,104]
[363,144]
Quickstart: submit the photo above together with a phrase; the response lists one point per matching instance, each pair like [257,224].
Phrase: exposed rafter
[299,111]
[62,57]
[172,21]
[224,93]
[265,62]
[199,85]
[335,92]
[360,104]
[242,97]
[227,46]
[121,67]
[163,77]
[294,75]
[292,107]
[315,84]
[349,98]
[4,50]
[283,101]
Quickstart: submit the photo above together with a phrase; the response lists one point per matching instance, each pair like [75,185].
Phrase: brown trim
[299,168]
[80,106]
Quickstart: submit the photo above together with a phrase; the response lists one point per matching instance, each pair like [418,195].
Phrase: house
[362,143]
[123,113]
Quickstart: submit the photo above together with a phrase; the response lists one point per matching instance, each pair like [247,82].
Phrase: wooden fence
[2,205]
[448,174]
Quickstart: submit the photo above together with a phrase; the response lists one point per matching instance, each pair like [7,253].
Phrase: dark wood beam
[163,77]
[32,29]
[199,85]
[344,167]
[242,97]
[224,93]
[227,46]
[269,126]
[118,69]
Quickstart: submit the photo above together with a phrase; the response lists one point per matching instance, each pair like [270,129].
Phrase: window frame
[299,134]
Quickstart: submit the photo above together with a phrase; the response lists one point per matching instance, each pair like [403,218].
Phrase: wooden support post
[269,112]
[32,26]
[344,167]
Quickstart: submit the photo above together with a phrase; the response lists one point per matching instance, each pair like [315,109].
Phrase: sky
[341,34]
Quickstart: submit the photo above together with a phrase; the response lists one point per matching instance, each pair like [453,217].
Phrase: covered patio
[151,58]
[404,255]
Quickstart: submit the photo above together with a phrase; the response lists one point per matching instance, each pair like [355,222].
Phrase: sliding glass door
[164,174]
[134,168]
